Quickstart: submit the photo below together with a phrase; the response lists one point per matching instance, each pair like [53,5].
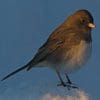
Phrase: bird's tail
[17,70]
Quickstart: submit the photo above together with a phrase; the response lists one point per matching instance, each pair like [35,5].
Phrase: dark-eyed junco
[67,48]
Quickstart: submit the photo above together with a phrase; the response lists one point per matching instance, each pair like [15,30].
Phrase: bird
[67,48]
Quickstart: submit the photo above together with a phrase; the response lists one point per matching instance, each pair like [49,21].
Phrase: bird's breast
[70,60]
[77,56]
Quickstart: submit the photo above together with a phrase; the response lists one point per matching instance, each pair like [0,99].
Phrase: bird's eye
[83,20]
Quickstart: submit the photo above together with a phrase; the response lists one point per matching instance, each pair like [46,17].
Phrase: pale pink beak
[91,25]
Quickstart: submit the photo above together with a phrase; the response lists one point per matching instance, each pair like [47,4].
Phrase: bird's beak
[91,25]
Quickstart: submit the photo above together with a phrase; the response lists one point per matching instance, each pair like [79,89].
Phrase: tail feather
[29,68]
[14,72]
[18,70]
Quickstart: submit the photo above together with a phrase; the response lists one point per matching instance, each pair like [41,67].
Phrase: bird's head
[81,19]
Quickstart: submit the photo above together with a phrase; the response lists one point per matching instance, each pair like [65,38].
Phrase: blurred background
[24,27]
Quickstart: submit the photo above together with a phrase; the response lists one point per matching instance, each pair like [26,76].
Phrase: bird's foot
[68,85]
[71,86]
[62,84]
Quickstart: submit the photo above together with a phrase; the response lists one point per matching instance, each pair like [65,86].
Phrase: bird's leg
[68,80]
[62,82]
[69,83]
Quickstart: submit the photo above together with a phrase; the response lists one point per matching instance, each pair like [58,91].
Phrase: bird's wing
[55,40]
[45,51]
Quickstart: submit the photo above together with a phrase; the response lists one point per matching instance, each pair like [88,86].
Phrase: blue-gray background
[24,26]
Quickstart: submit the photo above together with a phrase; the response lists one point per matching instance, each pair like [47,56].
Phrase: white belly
[73,59]
[78,56]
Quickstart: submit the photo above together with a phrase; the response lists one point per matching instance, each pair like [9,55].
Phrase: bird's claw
[71,85]
[62,84]
[68,85]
